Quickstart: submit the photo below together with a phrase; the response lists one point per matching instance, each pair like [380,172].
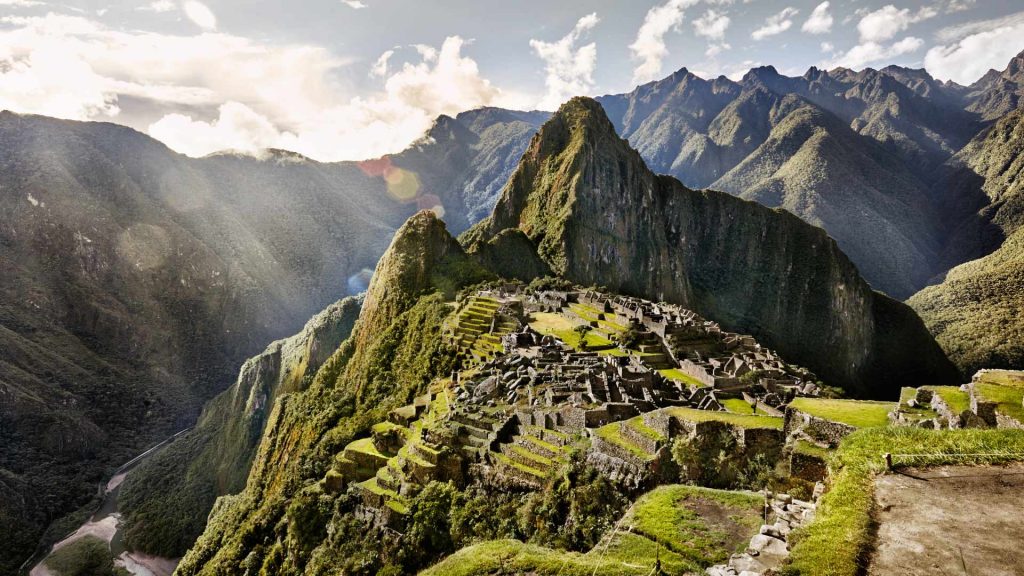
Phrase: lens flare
[403,185]
[359,281]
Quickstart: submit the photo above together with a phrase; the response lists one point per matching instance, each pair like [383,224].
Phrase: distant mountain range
[134,281]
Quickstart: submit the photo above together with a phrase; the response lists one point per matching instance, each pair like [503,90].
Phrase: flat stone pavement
[951,521]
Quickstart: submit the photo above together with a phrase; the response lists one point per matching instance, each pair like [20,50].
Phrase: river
[105,524]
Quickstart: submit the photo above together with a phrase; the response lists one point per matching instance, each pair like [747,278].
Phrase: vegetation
[741,420]
[87,556]
[741,406]
[953,396]
[836,543]
[680,376]
[663,524]
[856,413]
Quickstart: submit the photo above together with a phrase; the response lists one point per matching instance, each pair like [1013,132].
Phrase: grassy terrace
[612,433]
[741,420]
[663,523]
[680,376]
[518,465]
[953,396]
[740,406]
[805,447]
[837,541]
[856,413]
[1008,398]
[562,328]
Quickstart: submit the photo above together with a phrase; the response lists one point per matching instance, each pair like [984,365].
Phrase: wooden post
[888,461]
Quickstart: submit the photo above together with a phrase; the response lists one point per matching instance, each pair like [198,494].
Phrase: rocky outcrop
[598,216]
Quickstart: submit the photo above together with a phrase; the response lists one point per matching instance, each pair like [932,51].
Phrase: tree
[581,331]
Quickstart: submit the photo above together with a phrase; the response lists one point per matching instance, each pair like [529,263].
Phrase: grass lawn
[834,544]
[1013,378]
[702,525]
[1009,399]
[680,376]
[856,413]
[741,420]
[740,406]
[612,433]
[953,396]
[667,523]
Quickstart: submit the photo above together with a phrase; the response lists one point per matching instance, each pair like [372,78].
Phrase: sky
[355,79]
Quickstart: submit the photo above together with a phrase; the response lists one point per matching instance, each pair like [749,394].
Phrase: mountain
[598,216]
[166,499]
[974,311]
[848,151]
[980,190]
[580,205]
[395,350]
[134,281]
[998,93]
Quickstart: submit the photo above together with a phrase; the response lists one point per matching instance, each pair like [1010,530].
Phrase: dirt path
[950,520]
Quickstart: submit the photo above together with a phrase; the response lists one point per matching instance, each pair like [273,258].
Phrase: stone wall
[819,429]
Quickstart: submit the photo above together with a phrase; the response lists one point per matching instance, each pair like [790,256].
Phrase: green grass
[515,557]
[1013,378]
[382,427]
[86,556]
[953,396]
[366,446]
[856,413]
[668,515]
[836,542]
[740,406]
[662,524]
[805,447]
[637,423]
[1008,398]
[612,433]
[519,466]
[538,460]
[680,376]
[741,420]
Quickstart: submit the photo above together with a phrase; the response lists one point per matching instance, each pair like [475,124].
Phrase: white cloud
[776,24]
[251,96]
[200,14]
[820,21]
[954,33]
[712,25]
[21,3]
[354,4]
[569,69]
[715,49]
[827,47]
[969,58]
[869,52]
[888,21]
[380,67]
[649,47]
[159,6]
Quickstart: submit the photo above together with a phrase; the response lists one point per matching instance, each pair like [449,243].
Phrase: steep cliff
[597,215]
[165,501]
[395,350]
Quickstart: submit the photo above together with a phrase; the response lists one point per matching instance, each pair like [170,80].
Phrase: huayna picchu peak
[296,292]
[598,216]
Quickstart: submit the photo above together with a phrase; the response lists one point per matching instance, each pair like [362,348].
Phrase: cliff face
[165,501]
[597,215]
[395,350]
